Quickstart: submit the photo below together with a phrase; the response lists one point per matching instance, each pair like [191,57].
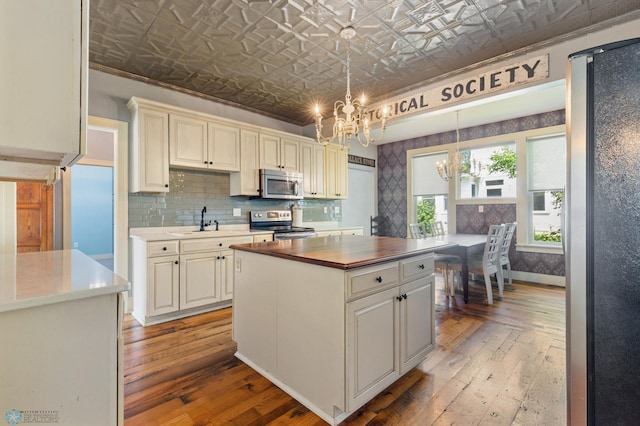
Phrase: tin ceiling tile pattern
[278,57]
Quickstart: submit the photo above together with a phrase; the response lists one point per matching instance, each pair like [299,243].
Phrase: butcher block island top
[333,321]
[346,251]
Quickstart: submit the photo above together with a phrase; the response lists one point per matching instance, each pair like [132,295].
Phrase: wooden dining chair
[509,229]
[489,264]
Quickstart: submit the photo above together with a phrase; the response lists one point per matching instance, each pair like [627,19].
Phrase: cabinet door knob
[164,248]
[176,262]
[421,266]
[222,257]
[210,162]
[166,185]
[205,162]
[220,244]
[218,257]
[399,298]
[404,296]
[379,279]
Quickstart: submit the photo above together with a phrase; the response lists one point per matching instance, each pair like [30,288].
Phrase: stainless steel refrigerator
[602,235]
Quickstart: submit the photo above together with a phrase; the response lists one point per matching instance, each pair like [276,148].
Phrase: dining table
[463,246]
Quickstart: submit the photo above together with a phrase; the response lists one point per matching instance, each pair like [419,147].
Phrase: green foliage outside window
[426,212]
[503,161]
[550,236]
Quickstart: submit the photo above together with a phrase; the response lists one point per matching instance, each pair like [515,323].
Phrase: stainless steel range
[278,221]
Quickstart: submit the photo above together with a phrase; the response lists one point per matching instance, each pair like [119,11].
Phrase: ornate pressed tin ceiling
[278,57]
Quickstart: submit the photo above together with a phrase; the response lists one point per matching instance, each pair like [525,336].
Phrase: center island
[333,321]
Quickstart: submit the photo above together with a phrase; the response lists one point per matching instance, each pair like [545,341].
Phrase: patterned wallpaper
[392,189]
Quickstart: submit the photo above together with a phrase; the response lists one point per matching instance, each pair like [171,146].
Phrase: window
[546,160]
[525,168]
[430,192]
[488,172]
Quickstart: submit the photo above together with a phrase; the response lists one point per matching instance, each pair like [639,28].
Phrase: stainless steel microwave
[280,184]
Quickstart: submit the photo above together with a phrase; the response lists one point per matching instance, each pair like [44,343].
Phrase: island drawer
[417,267]
[370,280]
[208,244]
[162,248]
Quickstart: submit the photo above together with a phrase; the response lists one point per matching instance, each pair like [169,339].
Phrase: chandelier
[349,117]
[448,171]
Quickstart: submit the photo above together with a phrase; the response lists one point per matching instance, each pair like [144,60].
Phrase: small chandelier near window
[448,171]
[350,117]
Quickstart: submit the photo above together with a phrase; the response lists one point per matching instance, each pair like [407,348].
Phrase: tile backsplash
[190,191]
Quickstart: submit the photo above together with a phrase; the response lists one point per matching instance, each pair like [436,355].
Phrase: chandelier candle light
[349,116]
[449,172]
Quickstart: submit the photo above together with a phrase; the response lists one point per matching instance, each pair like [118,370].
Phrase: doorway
[358,209]
[116,133]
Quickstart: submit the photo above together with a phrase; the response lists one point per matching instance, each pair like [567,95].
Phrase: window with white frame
[536,187]
[430,192]
[488,172]
[546,165]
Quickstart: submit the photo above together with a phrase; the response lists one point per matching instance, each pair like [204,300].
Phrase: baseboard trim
[557,280]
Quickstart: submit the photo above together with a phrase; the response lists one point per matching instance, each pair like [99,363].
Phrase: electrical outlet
[75,244]
[337,209]
[325,209]
[480,209]
[237,212]
[238,265]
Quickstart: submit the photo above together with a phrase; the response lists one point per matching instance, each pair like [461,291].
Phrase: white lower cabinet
[360,329]
[162,291]
[182,277]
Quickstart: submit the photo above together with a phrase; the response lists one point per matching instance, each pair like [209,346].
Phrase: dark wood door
[34,217]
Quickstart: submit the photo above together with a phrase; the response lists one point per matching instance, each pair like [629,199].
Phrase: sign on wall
[493,81]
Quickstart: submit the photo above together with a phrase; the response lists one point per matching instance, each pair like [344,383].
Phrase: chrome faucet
[204,210]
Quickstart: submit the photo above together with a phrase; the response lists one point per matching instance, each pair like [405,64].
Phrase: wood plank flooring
[493,365]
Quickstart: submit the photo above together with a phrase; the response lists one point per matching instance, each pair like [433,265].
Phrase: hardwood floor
[493,365]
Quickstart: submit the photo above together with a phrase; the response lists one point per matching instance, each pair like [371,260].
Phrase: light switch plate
[480,209]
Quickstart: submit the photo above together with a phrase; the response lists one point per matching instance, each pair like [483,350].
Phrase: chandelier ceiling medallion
[448,171]
[350,117]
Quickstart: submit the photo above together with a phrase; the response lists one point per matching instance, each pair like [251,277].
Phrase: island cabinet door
[198,279]
[417,322]
[372,346]
[163,287]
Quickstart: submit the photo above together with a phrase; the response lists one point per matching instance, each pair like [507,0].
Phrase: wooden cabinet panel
[163,287]
[198,274]
[247,180]
[416,323]
[34,217]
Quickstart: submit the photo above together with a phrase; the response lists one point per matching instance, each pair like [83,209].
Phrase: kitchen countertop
[34,279]
[346,251]
[184,232]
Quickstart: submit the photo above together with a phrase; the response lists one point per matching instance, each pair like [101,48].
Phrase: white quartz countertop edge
[36,279]
[190,232]
[63,297]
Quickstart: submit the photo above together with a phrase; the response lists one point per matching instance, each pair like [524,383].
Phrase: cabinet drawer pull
[421,266]
[379,279]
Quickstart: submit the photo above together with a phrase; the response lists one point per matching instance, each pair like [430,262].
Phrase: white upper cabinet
[312,167]
[149,148]
[224,147]
[200,144]
[188,147]
[247,180]
[43,81]
[336,163]
[279,152]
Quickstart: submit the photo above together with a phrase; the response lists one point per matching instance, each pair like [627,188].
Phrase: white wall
[7,218]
